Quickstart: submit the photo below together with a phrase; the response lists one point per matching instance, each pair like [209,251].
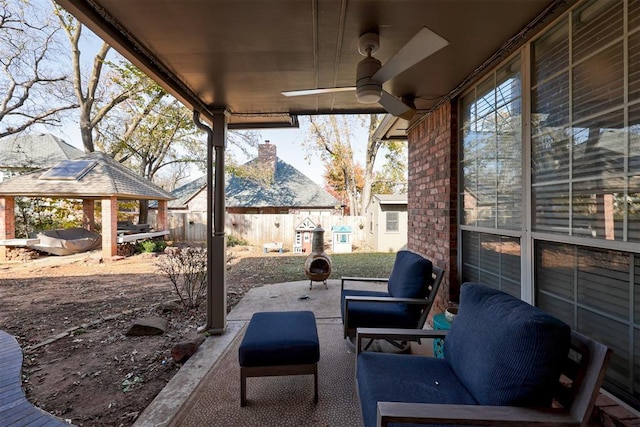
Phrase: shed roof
[391,199]
[107,177]
[35,151]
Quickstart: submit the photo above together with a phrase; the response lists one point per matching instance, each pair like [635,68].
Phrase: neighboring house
[278,188]
[387,222]
[271,186]
[26,153]
[264,187]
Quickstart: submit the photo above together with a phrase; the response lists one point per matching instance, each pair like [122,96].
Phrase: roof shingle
[107,178]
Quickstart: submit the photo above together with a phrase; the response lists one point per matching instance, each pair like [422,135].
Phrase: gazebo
[94,176]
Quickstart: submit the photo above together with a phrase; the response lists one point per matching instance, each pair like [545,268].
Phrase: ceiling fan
[371,74]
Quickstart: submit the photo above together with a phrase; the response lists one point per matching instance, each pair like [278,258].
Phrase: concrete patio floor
[323,301]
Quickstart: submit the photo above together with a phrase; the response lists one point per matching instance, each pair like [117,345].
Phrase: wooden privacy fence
[258,229]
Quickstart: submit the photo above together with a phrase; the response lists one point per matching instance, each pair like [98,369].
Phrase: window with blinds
[492,260]
[595,292]
[585,141]
[585,174]
[491,138]
[491,179]
[392,222]
[584,116]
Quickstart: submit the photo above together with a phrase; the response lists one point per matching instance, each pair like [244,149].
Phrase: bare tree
[95,98]
[32,88]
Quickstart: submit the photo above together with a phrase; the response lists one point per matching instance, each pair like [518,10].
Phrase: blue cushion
[409,276]
[377,315]
[384,377]
[280,338]
[505,351]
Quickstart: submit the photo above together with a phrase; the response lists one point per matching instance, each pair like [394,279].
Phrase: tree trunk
[143,217]
[372,152]
[87,135]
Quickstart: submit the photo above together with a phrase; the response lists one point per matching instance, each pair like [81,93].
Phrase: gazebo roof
[92,176]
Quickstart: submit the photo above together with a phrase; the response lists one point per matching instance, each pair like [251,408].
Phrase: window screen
[393,222]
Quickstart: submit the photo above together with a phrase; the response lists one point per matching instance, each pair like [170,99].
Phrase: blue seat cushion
[280,338]
[505,351]
[410,276]
[377,315]
[385,377]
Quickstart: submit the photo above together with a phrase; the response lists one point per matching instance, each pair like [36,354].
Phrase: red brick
[432,191]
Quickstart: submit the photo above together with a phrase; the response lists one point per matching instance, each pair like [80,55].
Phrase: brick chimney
[267,157]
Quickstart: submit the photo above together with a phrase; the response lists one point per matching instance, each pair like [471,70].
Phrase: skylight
[69,170]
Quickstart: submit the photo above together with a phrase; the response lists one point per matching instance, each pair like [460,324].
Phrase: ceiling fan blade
[396,107]
[422,45]
[317,91]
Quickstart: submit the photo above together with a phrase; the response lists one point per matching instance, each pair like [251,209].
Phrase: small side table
[440,322]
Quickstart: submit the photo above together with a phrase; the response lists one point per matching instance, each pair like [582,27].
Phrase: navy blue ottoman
[279,343]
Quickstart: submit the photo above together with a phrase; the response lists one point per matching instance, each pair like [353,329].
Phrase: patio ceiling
[240,55]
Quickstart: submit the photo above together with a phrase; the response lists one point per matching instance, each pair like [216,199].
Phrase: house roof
[35,151]
[187,192]
[391,199]
[104,177]
[289,188]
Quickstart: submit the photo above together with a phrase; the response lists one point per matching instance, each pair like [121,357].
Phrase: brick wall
[267,156]
[432,199]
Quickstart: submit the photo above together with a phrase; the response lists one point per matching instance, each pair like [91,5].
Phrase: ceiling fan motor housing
[368,90]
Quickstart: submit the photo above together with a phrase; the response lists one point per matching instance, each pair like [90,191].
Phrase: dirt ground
[70,318]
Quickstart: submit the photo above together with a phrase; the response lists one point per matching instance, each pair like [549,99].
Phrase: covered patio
[243,65]
[207,387]
[482,95]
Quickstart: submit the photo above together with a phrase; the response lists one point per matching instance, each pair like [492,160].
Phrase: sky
[289,142]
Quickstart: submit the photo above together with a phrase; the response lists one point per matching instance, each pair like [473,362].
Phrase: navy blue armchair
[411,290]
[505,363]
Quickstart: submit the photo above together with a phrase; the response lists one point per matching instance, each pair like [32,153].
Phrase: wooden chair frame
[436,278]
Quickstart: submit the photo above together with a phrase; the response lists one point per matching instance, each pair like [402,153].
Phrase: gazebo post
[88,214]
[163,215]
[7,222]
[109,227]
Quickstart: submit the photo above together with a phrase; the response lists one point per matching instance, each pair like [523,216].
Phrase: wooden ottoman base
[275,371]
[277,344]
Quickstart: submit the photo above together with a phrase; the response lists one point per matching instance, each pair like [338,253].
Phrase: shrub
[235,241]
[187,270]
[148,246]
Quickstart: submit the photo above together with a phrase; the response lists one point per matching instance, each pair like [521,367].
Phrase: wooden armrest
[427,413]
[388,300]
[396,334]
[362,279]
[364,298]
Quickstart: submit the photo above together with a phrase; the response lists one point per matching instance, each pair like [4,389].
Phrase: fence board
[258,229]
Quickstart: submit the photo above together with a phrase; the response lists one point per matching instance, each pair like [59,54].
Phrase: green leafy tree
[392,178]
[331,137]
